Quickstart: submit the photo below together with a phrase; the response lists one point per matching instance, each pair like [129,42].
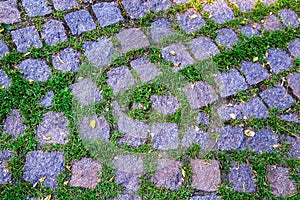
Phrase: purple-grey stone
[250,30]
[64,4]
[100,131]
[230,83]
[160,29]
[40,164]
[272,23]
[244,5]
[165,136]
[46,101]
[35,70]
[132,38]
[128,197]
[195,137]
[200,94]
[53,32]
[277,96]
[294,48]
[5,175]
[4,80]
[226,37]
[66,60]
[3,49]
[27,37]
[279,60]
[80,22]
[254,72]
[219,11]
[254,108]
[291,117]
[225,111]
[136,8]
[294,83]
[9,12]
[107,13]
[206,197]
[190,21]
[203,48]
[35,8]
[165,104]
[241,178]
[295,149]
[203,118]
[269,2]
[289,18]
[159,5]
[230,138]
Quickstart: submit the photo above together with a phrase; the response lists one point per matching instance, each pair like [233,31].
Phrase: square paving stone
[4,80]
[289,18]
[80,22]
[66,60]
[9,12]
[241,178]
[280,183]
[244,5]
[181,1]
[269,2]
[40,164]
[101,130]
[120,79]
[250,30]
[35,70]
[27,37]
[160,29]
[99,53]
[272,23]
[53,32]
[295,148]
[220,11]
[203,118]
[190,21]
[132,38]
[85,173]
[13,125]
[193,136]
[35,8]
[277,96]
[180,59]
[254,108]
[206,197]
[226,37]
[86,92]
[230,83]
[53,129]
[107,13]
[254,72]
[5,175]
[47,99]
[230,138]
[145,69]
[166,105]
[225,112]
[168,174]
[294,83]
[165,136]
[159,5]
[136,8]
[3,49]
[294,48]
[128,197]
[291,117]
[64,4]
[206,174]
[200,94]
[203,48]
[263,141]
[279,60]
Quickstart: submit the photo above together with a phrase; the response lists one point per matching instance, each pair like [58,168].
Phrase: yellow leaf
[159,156]
[183,172]
[30,80]
[93,123]
[254,25]
[255,59]
[176,65]
[232,116]
[42,179]
[267,54]
[298,19]
[196,128]
[47,138]
[245,118]
[48,197]
[275,146]
[173,53]
[26,54]
[66,182]
[111,179]
[193,16]
[192,86]
[249,133]
[2,86]
[68,167]
[1,30]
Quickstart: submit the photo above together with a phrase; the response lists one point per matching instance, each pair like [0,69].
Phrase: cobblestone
[254,108]
[289,18]
[64,4]
[53,32]
[190,21]
[250,30]
[159,5]
[3,49]
[269,2]
[132,38]
[165,136]
[219,11]
[161,29]
[242,179]
[13,124]
[35,70]
[128,197]
[294,48]
[291,117]
[66,60]
[5,175]
[195,136]
[165,104]
[279,60]
[203,48]
[230,138]
[206,197]
[35,8]
[244,5]
[294,83]
[272,23]
[226,37]
[145,69]
[101,130]
[4,80]
[226,112]
[203,118]
[135,8]
[47,99]
[254,72]
[107,13]
[80,22]
[9,12]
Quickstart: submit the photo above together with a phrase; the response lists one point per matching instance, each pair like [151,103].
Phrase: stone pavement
[234,109]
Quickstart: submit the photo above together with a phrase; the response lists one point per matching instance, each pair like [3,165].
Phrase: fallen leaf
[232,116]
[192,86]
[176,65]
[1,30]
[173,53]
[47,138]
[60,60]
[183,172]
[193,16]
[159,156]
[42,179]
[254,25]
[30,80]
[249,133]
[66,182]
[196,128]
[111,179]
[275,146]
[48,197]
[93,123]
[68,167]
[255,59]
[2,86]
[26,54]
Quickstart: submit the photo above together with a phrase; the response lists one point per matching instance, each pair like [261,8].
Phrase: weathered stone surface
[200,94]
[203,118]
[269,2]
[100,131]
[168,174]
[272,23]
[100,52]
[85,173]
[53,32]
[35,8]
[4,80]
[279,60]
[190,21]
[291,117]
[180,59]
[295,149]
[53,129]
[230,138]
[294,83]
[242,179]
[225,112]
[80,22]
[206,197]
[254,108]
[64,4]
[254,72]
[196,137]
[5,175]
[277,96]
[3,49]
[244,5]
[250,30]
[120,79]
[13,124]
[145,69]
[181,1]
[132,38]
[165,104]
[263,141]
[230,83]
[107,13]
[280,183]
[136,8]
[203,48]
[40,164]
[46,101]
[294,48]
[35,70]
[128,197]
[159,5]
[160,29]
[66,60]
[226,37]
[86,92]
[9,12]
[27,37]
[289,18]
[165,136]
[219,11]
[206,174]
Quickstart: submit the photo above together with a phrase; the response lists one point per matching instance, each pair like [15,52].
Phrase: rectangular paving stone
[254,108]
[25,38]
[220,11]
[203,48]
[47,100]
[254,72]
[101,130]
[132,38]
[13,124]
[250,30]
[35,70]
[294,83]
[244,5]
[165,136]
[289,18]
[241,178]
[160,29]
[5,175]
[3,48]
[190,21]
[269,2]
[294,48]
[226,37]
[279,60]
[35,8]
[80,22]
[136,8]
[272,23]
[53,32]
[4,80]
[64,4]
[9,12]
[159,5]
[165,104]
[193,136]
[107,13]
[230,138]
[66,60]
[226,112]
